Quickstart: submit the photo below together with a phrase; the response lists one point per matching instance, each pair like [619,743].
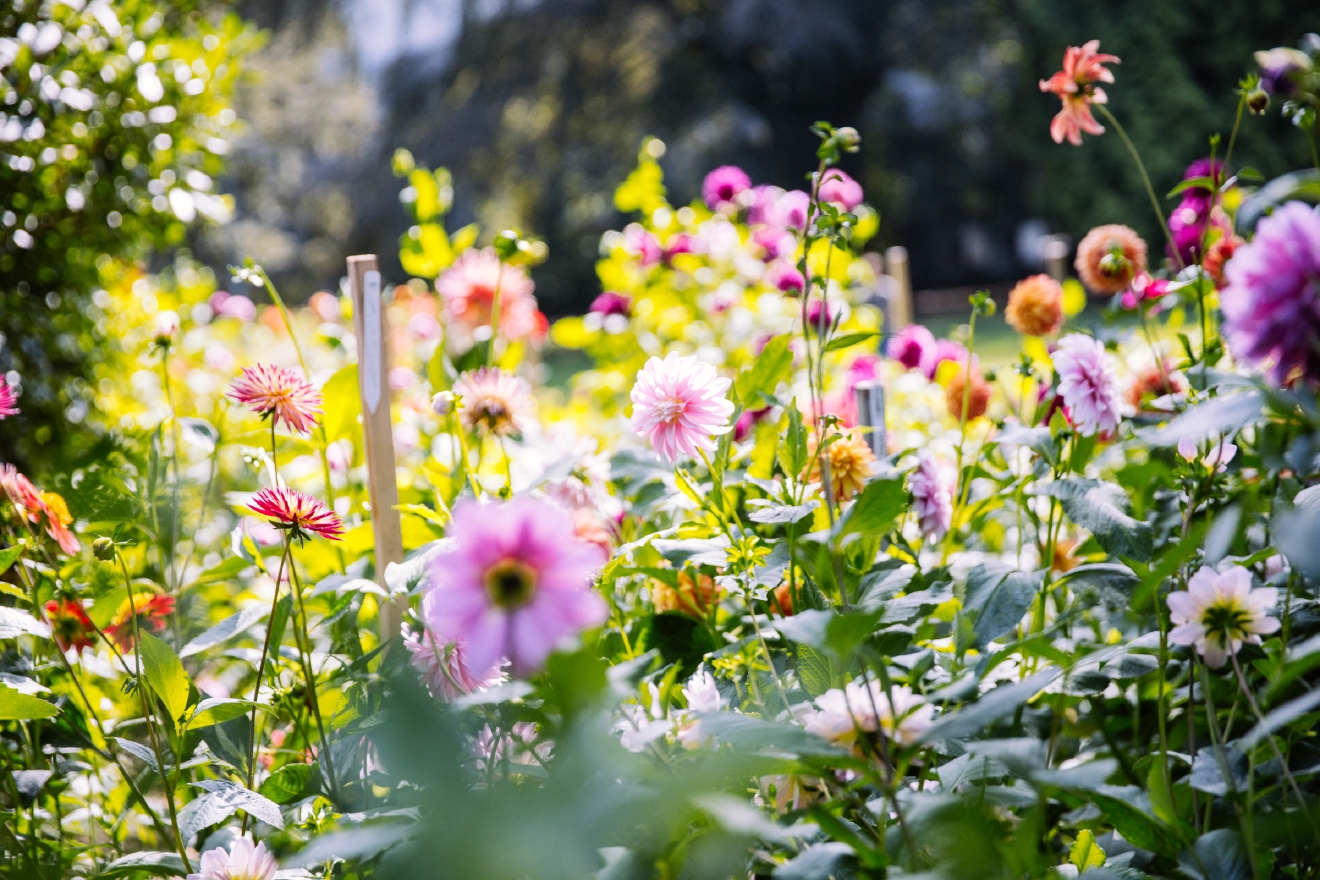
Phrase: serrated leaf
[255,805]
[165,674]
[1085,853]
[289,783]
[15,706]
[814,670]
[204,811]
[1100,508]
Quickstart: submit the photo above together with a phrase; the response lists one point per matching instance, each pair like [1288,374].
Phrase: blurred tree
[114,123]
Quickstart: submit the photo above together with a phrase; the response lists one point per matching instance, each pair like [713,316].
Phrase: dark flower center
[1225,621]
[510,583]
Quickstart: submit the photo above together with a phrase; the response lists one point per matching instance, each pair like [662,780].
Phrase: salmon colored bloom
[1083,67]
[70,625]
[694,596]
[8,400]
[1151,383]
[1110,257]
[151,613]
[58,520]
[1219,253]
[851,463]
[22,494]
[300,514]
[1035,306]
[279,394]
[469,289]
[977,400]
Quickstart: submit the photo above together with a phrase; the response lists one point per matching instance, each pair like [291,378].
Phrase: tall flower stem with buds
[981,302]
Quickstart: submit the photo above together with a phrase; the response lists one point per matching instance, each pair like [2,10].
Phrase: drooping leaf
[287,784]
[15,706]
[1101,509]
[158,863]
[253,804]
[1220,416]
[773,514]
[225,629]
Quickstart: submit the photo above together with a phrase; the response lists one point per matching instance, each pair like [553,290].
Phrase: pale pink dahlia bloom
[8,400]
[517,582]
[1088,384]
[723,186]
[1219,613]
[839,189]
[1271,304]
[469,287]
[443,665]
[841,714]
[299,514]
[243,862]
[678,403]
[281,394]
[932,484]
[1216,459]
[495,401]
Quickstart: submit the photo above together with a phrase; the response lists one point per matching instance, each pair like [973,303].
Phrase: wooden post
[900,306]
[870,397]
[374,389]
[1055,252]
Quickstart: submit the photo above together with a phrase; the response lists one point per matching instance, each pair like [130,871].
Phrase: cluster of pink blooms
[443,664]
[1271,304]
[1088,384]
[932,484]
[471,286]
[1145,288]
[1219,612]
[279,394]
[517,582]
[678,404]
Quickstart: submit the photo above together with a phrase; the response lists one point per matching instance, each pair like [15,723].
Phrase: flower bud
[1258,101]
[848,139]
[103,549]
[167,324]
[443,403]
[1114,265]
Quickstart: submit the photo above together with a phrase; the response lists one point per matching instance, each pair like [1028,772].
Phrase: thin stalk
[495,316]
[261,665]
[962,428]
[305,658]
[1145,179]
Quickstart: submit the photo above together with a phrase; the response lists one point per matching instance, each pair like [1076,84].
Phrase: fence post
[373,384]
[900,305]
[870,398]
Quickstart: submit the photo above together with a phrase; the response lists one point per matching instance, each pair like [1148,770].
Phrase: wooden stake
[900,305]
[373,385]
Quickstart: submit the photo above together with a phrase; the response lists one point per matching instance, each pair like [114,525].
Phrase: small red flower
[1083,66]
[301,514]
[281,394]
[151,613]
[70,625]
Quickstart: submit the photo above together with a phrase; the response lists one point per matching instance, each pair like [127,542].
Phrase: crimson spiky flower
[151,613]
[70,625]
[8,400]
[280,394]
[299,513]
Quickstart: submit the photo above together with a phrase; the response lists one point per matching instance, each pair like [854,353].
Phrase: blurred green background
[293,108]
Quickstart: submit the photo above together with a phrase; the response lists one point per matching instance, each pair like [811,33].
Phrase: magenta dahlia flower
[932,484]
[678,403]
[785,277]
[912,346]
[8,400]
[302,515]
[612,303]
[1271,305]
[1088,384]
[723,186]
[839,189]
[280,394]
[517,583]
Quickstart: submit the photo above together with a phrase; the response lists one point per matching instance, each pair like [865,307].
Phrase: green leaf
[278,622]
[1206,182]
[342,404]
[1085,853]
[224,571]
[1000,597]
[837,635]
[793,451]
[225,629]
[1161,796]
[289,783]
[9,556]
[874,511]
[1281,717]
[1100,508]
[15,622]
[814,670]
[24,707]
[253,804]
[158,863]
[165,674]
[1217,855]
[1123,806]
[773,365]
[218,710]
[848,340]
[989,708]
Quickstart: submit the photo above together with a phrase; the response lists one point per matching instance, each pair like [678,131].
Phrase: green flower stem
[1226,772]
[305,658]
[261,666]
[960,496]
[495,315]
[1274,745]
[1145,179]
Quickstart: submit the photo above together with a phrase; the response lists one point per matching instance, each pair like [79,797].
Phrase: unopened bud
[848,138]
[1258,101]
[103,549]
[1114,265]
[443,403]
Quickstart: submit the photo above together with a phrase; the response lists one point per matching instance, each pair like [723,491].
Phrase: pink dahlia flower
[678,403]
[1088,384]
[1083,67]
[469,287]
[611,303]
[945,350]
[300,514]
[790,210]
[912,346]
[785,277]
[443,664]
[641,244]
[281,394]
[1219,613]
[517,582]
[1144,287]
[495,401]
[840,190]
[932,484]
[1271,305]
[244,861]
[723,186]
[8,400]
